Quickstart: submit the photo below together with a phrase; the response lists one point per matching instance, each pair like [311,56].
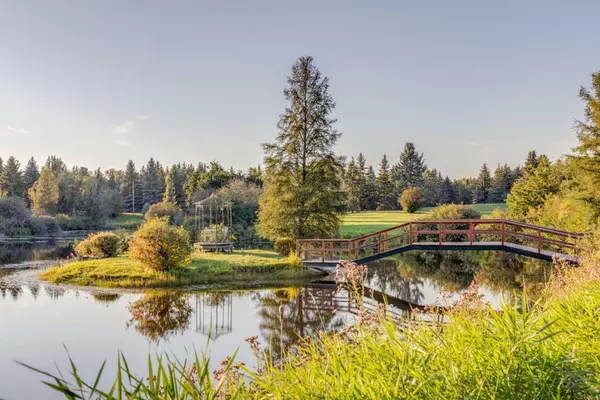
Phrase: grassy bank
[127,221]
[361,223]
[241,267]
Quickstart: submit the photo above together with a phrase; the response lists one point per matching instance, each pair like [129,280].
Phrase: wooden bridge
[476,234]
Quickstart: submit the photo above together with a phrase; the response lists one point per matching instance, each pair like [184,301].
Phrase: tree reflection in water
[454,271]
[214,313]
[288,315]
[158,315]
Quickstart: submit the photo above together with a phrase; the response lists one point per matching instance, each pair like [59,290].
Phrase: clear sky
[100,82]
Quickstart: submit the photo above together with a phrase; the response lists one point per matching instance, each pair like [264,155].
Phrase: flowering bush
[100,245]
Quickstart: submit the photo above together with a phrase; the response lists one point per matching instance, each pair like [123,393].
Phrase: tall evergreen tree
[448,195]
[432,187]
[409,170]
[502,182]
[531,162]
[152,182]
[174,183]
[370,197]
[11,179]
[302,190]
[386,192]
[30,176]
[483,184]
[131,188]
[352,185]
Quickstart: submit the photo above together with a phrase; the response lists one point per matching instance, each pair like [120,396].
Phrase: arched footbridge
[477,234]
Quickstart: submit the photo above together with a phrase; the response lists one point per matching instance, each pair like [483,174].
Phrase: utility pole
[133,196]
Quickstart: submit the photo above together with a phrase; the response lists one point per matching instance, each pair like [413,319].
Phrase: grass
[362,223]
[126,221]
[240,268]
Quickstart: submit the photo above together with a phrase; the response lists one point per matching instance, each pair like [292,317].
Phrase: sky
[101,82]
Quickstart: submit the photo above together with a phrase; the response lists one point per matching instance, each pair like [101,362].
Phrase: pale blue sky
[99,82]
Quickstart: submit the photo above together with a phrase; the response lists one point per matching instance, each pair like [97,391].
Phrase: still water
[38,321]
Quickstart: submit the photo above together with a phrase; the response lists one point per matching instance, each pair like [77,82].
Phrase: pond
[37,321]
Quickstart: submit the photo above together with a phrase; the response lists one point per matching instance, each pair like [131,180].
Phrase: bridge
[468,234]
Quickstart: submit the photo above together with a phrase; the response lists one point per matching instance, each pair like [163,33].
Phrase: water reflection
[158,315]
[214,313]
[15,253]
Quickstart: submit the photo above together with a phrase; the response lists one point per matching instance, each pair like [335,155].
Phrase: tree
[448,194]
[31,173]
[152,182]
[483,184]
[409,170]
[11,179]
[588,149]
[174,183]
[432,187]
[386,192]
[369,195]
[131,188]
[44,193]
[532,190]
[464,188]
[352,186]
[502,182]
[302,189]
[531,162]
[411,199]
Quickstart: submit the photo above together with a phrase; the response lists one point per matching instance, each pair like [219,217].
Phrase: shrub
[285,245]
[44,225]
[78,222]
[160,246]
[165,209]
[123,236]
[411,199]
[99,245]
[454,211]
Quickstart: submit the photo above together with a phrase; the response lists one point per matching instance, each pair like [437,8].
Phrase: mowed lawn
[362,223]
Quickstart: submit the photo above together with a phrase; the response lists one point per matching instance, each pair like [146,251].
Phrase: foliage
[44,193]
[303,194]
[160,314]
[165,210]
[78,222]
[11,179]
[566,213]
[409,170]
[100,245]
[244,197]
[44,225]
[453,211]
[160,246]
[483,185]
[533,189]
[411,199]
[284,245]
[386,192]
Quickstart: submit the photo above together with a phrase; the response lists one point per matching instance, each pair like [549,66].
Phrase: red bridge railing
[468,233]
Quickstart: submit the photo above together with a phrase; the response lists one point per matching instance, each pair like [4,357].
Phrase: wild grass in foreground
[253,266]
[547,349]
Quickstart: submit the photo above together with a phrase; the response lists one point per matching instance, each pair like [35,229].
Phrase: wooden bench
[224,247]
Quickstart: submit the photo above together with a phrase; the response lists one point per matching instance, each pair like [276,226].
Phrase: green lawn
[239,268]
[362,223]
[126,221]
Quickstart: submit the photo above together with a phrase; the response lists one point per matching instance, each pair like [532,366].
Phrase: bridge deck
[329,264]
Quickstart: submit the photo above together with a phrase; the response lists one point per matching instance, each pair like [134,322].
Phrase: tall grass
[547,349]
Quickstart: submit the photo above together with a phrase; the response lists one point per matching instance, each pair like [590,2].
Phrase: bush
[44,225]
[78,222]
[99,245]
[285,245]
[165,209]
[123,236]
[454,211]
[411,199]
[159,246]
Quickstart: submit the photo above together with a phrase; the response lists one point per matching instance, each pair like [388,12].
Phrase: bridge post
[323,250]
[503,235]
[471,233]
[440,233]
[385,244]
[349,250]
[539,242]
[379,243]
[410,234]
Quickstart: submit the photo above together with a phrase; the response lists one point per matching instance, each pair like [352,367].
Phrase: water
[37,321]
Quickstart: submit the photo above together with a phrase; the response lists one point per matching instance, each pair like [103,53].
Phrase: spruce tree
[386,192]
[11,179]
[409,170]
[30,176]
[351,186]
[432,188]
[370,193]
[483,184]
[152,182]
[174,185]
[448,194]
[531,162]
[501,183]
[303,194]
